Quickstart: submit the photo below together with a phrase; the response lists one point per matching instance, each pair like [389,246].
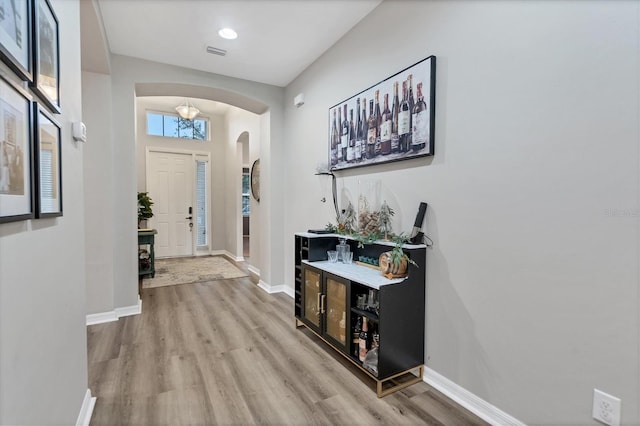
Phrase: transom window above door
[173,126]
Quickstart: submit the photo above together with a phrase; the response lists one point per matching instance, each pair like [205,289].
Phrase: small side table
[147,237]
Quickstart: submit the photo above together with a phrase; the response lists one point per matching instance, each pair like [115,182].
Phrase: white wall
[43,362]
[98,191]
[239,121]
[532,284]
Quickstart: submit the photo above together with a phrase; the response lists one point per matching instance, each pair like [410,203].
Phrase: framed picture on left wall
[46,58]
[48,164]
[16,153]
[15,37]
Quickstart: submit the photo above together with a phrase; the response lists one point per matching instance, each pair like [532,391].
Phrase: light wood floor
[225,352]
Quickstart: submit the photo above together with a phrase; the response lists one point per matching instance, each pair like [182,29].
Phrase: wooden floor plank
[226,352]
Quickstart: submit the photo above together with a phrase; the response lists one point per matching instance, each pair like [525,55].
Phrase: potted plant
[394,263]
[144,207]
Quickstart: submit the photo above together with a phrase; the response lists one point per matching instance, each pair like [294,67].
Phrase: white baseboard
[288,291]
[471,402]
[87,409]
[114,315]
[130,310]
[102,317]
[266,287]
[228,255]
[255,271]
[271,289]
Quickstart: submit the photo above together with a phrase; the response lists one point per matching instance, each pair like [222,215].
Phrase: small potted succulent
[394,263]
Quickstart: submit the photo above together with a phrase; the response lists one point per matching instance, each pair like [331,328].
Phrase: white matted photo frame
[16,153]
[46,55]
[15,37]
[48,160]
[392,120]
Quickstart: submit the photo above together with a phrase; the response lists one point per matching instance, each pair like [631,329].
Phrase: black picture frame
[17,192]
[411,137]
[48,161]
[16,37]
[46,55]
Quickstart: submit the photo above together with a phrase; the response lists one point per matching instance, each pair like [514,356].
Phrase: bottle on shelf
[386,125]
[375,337]
[372,132]
[404,120]
[378,123]
[395,110]
[351,149]
[355,342]
[420,122]
[370,362]
[344,136]
[364,340]
[342,326]
[335,140]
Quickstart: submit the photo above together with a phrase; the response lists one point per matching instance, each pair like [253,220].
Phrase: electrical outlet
[606,408]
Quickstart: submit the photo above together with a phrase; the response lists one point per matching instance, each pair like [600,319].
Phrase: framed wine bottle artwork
[393,120]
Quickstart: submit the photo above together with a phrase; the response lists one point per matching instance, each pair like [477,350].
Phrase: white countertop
[349,237]
[367,276]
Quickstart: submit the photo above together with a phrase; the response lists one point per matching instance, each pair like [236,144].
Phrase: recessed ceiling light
[228,33]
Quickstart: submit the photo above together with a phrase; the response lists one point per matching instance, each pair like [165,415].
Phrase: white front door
[170,179]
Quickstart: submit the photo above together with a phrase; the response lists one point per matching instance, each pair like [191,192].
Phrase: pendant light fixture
[187,111]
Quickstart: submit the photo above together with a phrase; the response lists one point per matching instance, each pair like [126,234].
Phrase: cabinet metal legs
[399,381]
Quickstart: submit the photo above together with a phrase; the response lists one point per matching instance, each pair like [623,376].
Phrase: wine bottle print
[420,122]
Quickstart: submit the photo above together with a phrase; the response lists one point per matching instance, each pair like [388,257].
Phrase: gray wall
[43,362]
[126,72]
[98,191]
[532,284]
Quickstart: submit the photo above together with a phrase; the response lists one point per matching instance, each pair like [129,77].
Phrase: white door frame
[195,155]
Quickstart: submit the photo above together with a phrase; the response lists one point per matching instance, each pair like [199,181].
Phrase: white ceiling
[276,40]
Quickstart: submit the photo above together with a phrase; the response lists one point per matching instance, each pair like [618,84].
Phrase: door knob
[190,217]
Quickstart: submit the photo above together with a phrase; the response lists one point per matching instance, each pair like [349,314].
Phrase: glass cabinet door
[336,310]
[311,281]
